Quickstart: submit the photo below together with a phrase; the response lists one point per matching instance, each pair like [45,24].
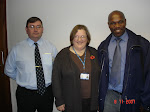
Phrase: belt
[117,92]
[29,90]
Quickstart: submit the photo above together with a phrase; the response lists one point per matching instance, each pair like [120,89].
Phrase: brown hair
[75,30]
[32,20]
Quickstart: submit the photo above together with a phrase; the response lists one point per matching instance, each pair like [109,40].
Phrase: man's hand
[143,110]
[61,107]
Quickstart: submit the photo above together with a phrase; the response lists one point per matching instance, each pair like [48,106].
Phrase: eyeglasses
[37,27]
[82,37]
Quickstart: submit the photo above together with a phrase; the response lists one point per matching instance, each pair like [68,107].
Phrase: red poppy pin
[92,57]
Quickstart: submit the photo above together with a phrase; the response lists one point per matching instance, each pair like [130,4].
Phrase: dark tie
[39,72]
[115,75]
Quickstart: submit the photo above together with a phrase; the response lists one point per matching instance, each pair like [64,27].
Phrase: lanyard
[80,58]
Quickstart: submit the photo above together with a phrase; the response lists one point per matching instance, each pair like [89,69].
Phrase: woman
[76,74]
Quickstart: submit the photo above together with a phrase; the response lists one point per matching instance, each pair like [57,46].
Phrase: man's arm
[145,97]
[10,65]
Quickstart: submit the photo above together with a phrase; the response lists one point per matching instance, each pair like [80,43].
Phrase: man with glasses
[29,63]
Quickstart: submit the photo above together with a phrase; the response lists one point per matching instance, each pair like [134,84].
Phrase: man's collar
[31,42]
[124,37]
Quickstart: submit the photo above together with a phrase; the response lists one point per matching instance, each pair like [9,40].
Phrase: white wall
[60,16]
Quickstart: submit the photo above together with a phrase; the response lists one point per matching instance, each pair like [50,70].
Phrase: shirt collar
[124,37]
[31,42]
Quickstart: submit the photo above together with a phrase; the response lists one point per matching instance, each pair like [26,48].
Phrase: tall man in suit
[124,58]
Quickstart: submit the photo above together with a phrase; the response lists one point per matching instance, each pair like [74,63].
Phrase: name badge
[84,76]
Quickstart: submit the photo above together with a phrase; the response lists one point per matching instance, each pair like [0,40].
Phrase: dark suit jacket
[136,84]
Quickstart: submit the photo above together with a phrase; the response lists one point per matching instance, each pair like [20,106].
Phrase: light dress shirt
[20,63]
[111,49]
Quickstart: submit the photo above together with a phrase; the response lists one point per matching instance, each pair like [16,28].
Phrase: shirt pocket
[47,58]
